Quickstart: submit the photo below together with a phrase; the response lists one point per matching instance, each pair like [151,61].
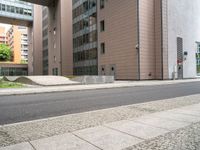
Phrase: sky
[7,26]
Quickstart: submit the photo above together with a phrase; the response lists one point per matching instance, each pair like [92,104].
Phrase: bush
[5,52]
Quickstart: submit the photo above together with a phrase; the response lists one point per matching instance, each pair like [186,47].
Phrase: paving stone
[162,123]
[39,129]
[187,111]
[137,129]
[177,116]
[193,107]
[62,142]
[21,146]
[107,139]
[183,139]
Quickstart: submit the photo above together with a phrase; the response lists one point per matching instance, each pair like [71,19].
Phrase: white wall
[183,21]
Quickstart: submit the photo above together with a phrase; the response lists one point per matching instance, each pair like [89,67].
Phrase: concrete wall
[164,46]
[161,39]
[158,40]
[35,43]
[30,51]
[60,37]
[66,37]
[147,39]
[120,37]
[54,38]
[183,22]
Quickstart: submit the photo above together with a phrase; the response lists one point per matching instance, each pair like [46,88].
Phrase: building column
[60,38]
[35,43]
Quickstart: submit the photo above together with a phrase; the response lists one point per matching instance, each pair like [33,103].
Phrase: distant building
[18,41]
[3,38]
[10,69]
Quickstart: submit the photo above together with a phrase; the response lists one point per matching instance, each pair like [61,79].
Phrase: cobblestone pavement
[183,139]
[29,131]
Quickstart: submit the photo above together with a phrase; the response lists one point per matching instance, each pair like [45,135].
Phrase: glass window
[8,8]
[198,59]
[102,48]
[3,7]
[102,4]
[55,71]
[12,9]
[102,26]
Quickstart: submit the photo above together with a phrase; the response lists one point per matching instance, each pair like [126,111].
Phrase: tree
[5,52]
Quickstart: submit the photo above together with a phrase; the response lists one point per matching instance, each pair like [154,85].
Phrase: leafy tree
[5,52]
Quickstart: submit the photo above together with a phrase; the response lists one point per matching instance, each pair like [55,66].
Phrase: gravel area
[182,139]
[22,132]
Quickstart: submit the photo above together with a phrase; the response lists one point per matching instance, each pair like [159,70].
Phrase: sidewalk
[117,84]
[119,135]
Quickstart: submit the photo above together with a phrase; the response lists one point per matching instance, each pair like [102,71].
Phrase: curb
[87,87]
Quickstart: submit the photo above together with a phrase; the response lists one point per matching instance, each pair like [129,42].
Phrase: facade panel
[120,38]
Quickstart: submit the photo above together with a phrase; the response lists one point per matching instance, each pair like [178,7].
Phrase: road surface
[30,107]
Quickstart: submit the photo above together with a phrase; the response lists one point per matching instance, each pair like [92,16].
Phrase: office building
[136,39]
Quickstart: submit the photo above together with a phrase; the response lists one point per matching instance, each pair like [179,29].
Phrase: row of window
[84,23]
[85,55]
[16,10]
[85,39]
[198,61]
[102,4]
[89,4]
[75,1]
[55,71]
[44,12]
[45,22]
[45,62]
[4,71]
[89,70]
[45,43]
[102,27]
[45,32]
[86,34]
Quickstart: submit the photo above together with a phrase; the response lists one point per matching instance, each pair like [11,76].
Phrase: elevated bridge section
[16,12]
[41,2]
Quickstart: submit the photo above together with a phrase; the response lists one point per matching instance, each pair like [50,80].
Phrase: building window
[103,70]
[102,4]
[54,31]
[55,71]
[102,48]
[198,58]
[102,26]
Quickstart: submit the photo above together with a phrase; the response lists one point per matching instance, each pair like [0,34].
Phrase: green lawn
[5,84]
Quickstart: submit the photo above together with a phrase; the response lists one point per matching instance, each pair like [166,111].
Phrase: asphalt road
[30,107]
